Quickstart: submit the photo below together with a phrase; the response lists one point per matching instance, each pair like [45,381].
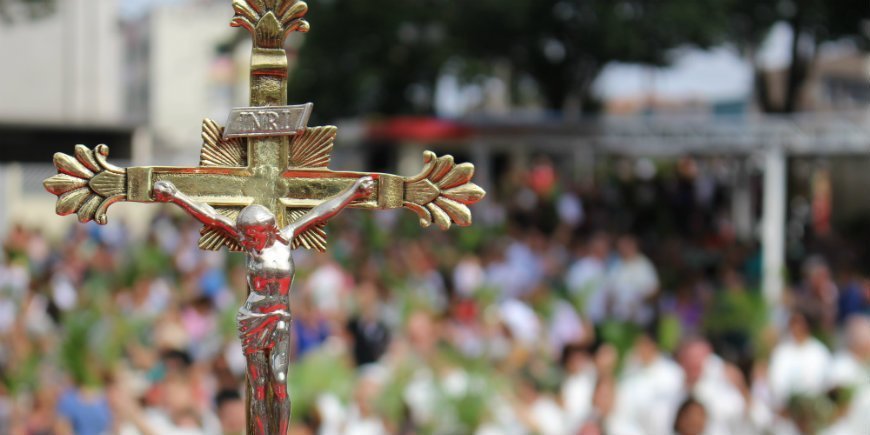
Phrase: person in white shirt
[538,411]
[579,385]
[651,387]
[604,418]
[708,382]
[362,416]
[799,364]
[850,370]
[632,283]
[586,278]
[328,285]
[850,367]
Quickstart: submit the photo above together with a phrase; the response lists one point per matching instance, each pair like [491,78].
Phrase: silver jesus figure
[264,319]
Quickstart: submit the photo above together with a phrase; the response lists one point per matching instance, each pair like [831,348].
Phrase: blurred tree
[812,22]
[563,44]
[15,10]
[385,56]
[376,56]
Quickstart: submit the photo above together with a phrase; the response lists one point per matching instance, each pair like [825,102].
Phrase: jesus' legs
[280,361]
[258,378]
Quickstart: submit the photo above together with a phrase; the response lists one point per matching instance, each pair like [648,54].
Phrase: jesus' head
[257,227]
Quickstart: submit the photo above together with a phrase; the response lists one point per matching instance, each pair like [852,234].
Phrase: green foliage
[669,333]
[460,407]
[147,261]
[94,339]
[76,352]
[22,377]
[468,407]
[824,20]
[318,373]
[384,57]
[736,311]
[620,334]
[562,44]
[390,403]
[817,21]
[376,56]
[811,414]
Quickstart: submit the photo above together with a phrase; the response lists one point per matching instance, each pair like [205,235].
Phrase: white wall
[185,79]
[65,68]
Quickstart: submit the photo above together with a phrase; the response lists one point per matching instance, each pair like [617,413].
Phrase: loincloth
[262,331]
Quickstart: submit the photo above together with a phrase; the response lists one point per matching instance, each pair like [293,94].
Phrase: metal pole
[773,224]
[741,201]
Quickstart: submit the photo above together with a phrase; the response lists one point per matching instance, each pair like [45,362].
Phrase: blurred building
[839,82]
[193,73]
[62,84]
[64,68]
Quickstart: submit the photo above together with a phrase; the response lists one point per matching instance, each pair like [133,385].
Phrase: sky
[717,74]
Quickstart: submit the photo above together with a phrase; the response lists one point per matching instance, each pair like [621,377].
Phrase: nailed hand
[164,191]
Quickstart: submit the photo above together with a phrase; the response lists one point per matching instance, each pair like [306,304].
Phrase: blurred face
[527,391]
[798,327]
[819,276]
[606,359]
[422,333]
[646,349]
[177,398]
[627,247]
[590,428]
[599,247]
[232,417]
[692,420]
[692,358]
[367,299]
[577,360]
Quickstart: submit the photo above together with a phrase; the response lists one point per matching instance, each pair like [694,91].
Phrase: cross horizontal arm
[309,187]
[86,184]
[440,193]
[212,185]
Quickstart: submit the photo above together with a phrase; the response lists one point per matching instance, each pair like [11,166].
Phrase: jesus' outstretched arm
[165,191]
[329,208]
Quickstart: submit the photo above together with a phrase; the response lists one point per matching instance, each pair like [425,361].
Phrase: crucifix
[262,187]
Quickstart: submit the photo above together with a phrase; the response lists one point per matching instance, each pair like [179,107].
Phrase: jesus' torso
[270,275]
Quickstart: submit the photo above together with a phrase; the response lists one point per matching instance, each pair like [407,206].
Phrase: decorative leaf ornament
[442,192]
[86,184]
[270,21]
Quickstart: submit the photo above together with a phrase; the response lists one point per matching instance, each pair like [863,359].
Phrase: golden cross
[266,155]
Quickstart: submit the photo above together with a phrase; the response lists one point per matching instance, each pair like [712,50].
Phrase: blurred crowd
[624,308]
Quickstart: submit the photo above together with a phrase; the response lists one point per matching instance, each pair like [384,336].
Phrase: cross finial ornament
[262,187]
